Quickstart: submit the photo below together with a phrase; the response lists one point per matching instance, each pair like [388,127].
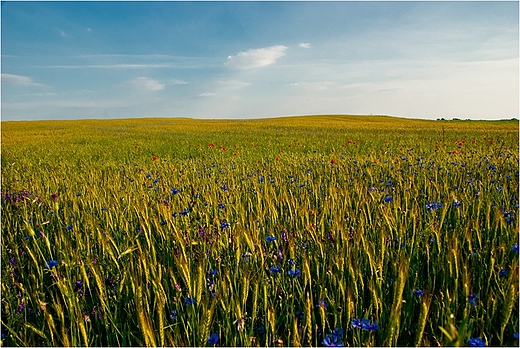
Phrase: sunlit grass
[166,231]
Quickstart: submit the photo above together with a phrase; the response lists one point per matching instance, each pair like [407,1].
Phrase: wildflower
[78,194]
[51,264]
[456,203]
[388,199]
[270,238]
[476,342]
[54,196]
[515,335]
[174,191]
[332,340]
[190,301]
[68,228]
[174,215]
[173,314]
[224,187]
[275,269]
[185,212]
[515,248]
[224,224]
[213,272]
[294,273]
[322,304]
[472,298]
[178,287]
[365,324]
[333,161]
[433,205]
[221,206]
[509,217]
[240,323]
[21,306]
[284,236]
[503,273]
[213,338]
[418,293]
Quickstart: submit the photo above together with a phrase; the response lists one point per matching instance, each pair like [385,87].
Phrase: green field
[296,231]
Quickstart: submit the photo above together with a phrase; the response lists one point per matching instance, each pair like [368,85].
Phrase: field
[298,231]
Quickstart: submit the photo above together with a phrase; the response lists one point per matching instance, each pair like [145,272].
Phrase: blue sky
[69,60]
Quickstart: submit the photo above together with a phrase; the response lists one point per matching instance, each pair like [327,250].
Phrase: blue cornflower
[456,203]
[213,338]
[503,273]
[224,224]
[388,199]
[332,340]
[185,212]
[270,238]
[51,264]
[221,206]
[224,187]
[275,269]
[68,228]
[515,335]
[418,293]
[294,273]
[213,272]
[433,206]
[515,248]
[364,324]
[476,342]
[472,298]
[174,215]
[78,194]
[190,301]
[174,191]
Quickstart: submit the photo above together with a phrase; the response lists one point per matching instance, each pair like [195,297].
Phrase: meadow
[296,231]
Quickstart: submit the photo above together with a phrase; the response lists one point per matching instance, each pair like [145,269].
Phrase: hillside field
[294,231]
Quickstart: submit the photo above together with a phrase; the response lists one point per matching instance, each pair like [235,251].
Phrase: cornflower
[472,298]
[418,293]
[476,342]
[213,338]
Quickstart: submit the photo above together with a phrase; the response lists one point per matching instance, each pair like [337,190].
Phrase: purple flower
[213,338]
[322,304]
[174,314]
[476,342]
[54,196]
[51,264]
[418,293]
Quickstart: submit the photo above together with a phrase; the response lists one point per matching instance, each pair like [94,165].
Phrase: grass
[160,232]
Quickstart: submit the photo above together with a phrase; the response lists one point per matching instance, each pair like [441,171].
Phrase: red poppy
[154,158]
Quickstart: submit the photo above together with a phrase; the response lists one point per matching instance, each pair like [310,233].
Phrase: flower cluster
[365,324]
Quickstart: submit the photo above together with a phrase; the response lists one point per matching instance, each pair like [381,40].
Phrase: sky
[240,60]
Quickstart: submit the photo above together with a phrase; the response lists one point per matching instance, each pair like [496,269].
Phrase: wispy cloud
[108,66]
[314,86]
[255,58]
[144,83]
[22,81]
[62,33]
[222,87]
[304,45]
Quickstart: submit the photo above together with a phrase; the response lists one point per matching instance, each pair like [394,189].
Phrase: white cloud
[144,83]
[314,86]
[305,45]
[255,58]
[62,33]
[18,80]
